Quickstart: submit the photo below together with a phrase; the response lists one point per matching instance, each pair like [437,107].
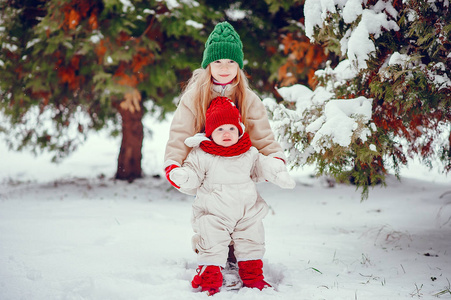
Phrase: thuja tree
[68,67]
[387,101]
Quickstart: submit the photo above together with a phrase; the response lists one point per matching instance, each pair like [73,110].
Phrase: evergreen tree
[68,67]
[396,57]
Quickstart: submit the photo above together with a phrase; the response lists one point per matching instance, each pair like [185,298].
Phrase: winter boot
[209,278]
[251,273]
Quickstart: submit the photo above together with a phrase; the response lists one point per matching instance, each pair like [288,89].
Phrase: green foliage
[276,5]
[65,65]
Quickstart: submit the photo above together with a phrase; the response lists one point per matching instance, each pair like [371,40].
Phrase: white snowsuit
[227,205]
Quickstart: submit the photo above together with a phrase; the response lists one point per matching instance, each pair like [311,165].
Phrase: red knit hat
[222,111]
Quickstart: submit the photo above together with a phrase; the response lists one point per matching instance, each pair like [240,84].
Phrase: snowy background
[69,231]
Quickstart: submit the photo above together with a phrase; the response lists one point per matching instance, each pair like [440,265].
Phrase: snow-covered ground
[69,231]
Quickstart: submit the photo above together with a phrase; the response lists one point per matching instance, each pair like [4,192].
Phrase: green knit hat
[223,43]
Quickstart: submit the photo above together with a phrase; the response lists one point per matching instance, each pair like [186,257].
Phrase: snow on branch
[358,43]
[314,122]
[340,121]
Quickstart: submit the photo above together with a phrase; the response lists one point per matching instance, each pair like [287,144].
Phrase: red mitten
[168,170]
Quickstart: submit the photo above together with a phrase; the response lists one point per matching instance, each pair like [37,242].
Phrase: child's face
[225,135]
[224,70]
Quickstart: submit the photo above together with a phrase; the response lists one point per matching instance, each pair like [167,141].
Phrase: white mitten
[272,166]
[179,176]
[184,178]
[284,180]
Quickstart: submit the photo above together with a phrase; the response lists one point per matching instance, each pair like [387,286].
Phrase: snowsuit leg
[249,233]
[225,212]
[214,240]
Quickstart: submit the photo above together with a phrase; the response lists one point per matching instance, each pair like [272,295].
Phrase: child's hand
[272,166]
[184,178]
[275,171]
[284,180]
[179,176]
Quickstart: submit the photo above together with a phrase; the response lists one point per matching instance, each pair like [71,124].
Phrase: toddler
[221,170]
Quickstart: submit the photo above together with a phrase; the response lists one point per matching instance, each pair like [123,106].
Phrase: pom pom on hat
[223,43]
[220,112]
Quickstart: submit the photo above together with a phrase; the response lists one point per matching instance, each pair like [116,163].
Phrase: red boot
[209,278]
[251,273]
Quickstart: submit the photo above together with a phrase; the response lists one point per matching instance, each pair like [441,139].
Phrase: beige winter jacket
[182,127]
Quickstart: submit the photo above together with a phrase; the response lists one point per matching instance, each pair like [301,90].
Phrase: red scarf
[243,145]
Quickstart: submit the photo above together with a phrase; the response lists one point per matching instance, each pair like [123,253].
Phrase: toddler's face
[225,135]
[224,70]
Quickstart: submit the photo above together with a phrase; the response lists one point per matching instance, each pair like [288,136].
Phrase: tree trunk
[129,161]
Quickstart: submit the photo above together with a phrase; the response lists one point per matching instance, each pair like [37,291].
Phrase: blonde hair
[201,84]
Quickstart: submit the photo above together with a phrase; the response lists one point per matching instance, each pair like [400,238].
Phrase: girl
[222,166]
[221,75]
